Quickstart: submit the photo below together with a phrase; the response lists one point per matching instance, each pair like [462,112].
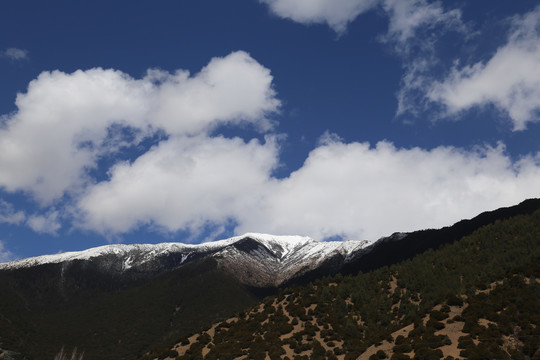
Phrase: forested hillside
[107,317]
[477,298]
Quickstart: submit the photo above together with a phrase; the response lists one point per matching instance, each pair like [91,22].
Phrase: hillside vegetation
[54,309]
[477,298]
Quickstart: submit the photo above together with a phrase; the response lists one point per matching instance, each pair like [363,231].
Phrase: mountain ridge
[476,298]
[129,305]
[279,257]
[278,246]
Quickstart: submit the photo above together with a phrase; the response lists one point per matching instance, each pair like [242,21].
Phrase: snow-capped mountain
[112,301]
[258,260]
[262,260]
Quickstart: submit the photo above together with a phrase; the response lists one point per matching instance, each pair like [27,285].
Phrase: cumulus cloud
[9,215]
[405,16]
[358,191]
[64,122]
[335,13]
[230,90]
[45,224]
[16,54]
[352,190]
[193,179]
[184,183]
[509,80]
[60,126]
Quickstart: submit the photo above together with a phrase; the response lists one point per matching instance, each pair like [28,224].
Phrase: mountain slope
[403,246]
[107,317]
[477,298]
[257,260]
[119,301]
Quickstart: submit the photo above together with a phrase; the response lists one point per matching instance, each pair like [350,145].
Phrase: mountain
[120,301]
[404,246]
[256,260]
[476,298]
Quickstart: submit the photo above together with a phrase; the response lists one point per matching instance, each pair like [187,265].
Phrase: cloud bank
[351,190]
[71,118]
[364,192]
[192,178]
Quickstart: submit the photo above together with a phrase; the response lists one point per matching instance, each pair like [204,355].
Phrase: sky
[195,120]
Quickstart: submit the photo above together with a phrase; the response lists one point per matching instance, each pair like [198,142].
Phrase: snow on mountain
[145,251]
[255,259]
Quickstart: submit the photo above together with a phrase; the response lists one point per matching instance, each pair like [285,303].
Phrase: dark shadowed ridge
[476,298]
[389,251]
[53,306]
[400,247]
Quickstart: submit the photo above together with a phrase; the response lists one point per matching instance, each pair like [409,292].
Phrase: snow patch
[291,253]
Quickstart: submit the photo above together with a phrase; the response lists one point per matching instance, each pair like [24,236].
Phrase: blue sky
[196,120]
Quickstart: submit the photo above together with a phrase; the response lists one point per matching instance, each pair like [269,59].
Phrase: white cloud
[406,17]
[361,192]
[66,122]
[336,13]
[9,215]
[510,80]
[16,54]
[414,31]
[41,148]
[414,28]
[184,183]
[351,190]
[63,122]
[45,224]
[232,90]
[5,254]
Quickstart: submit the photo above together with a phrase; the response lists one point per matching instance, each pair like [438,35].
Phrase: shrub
[402,348]
[438,315]
[397,356]
[453,300]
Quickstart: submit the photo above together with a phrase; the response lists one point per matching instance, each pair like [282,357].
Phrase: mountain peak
[279,245]
[273,259]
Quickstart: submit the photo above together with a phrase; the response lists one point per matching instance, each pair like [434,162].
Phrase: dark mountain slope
[477,298]
[123,300]
[404,246]
[110,317]
[392,250]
